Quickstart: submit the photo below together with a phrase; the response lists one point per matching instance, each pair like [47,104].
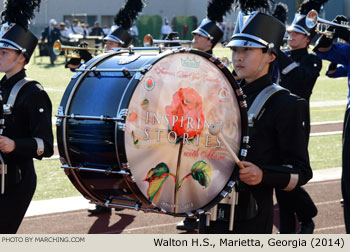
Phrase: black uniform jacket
[301,79]
[278,145]
[51,37]
[30,118]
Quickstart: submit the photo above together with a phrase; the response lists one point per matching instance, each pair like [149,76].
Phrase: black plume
[128,13]
[281,12]
[253,5]
[218,8]
[308,5]
[19,11]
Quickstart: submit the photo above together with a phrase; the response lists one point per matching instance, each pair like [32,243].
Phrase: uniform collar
[257,85]
[210,51]
[5,83]
[298,52]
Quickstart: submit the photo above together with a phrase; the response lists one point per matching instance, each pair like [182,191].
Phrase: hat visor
[201,32]
[244,43]
[113,38]
[296,28]
[6,44]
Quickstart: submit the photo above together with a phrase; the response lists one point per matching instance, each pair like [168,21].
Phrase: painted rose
[185,113]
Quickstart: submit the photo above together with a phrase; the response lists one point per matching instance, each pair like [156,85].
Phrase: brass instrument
[149,41]
[312,20]
[58,48]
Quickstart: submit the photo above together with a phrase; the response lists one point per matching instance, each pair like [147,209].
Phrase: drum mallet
[215,130]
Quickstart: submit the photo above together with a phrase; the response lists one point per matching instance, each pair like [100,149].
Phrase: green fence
[184,25]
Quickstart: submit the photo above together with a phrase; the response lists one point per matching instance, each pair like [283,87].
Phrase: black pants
[52,55]
[345,178]
[247,220]
[296,203]
[14,204]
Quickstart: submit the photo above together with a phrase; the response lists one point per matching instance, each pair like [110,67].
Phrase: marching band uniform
[299,71]
[278,145]
[206,36]
[340,53]
[27,123]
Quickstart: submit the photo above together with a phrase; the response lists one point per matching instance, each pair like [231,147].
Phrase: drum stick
[215,129]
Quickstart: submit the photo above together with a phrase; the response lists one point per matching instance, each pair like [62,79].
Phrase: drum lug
[125,167]
[139,76]
[122,114]
[223,194]
[244,152]
[246,139]
[243,104]
[126,73]
[213,59]
[231,184]
[121,126]
[146,68]
[59,113]
[239,92]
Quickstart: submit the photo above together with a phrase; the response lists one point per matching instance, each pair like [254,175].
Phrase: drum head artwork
[175,161]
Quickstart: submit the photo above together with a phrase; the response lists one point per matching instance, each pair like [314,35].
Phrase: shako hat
[256,28]
[123,21]
[14,33]
[300,23]
[215,12]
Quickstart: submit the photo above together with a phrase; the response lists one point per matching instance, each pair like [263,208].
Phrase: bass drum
[133,130]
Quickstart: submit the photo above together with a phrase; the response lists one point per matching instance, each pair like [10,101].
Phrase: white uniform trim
[290,68]
[40,144]
[293,181]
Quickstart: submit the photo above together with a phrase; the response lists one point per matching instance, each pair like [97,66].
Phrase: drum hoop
[124,104]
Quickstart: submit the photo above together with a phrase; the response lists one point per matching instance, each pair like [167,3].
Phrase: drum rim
[244,130]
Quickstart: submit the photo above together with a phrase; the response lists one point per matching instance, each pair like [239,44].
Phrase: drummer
[278,155]
[28,127]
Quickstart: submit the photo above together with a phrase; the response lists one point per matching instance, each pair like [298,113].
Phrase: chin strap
[270,46]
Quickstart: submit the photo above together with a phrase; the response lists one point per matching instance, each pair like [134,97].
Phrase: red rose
[186,104]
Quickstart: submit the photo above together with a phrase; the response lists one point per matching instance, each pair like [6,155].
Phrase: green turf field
[325,151]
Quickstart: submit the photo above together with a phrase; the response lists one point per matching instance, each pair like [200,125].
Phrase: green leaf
[136,141]
[201,172]
[156,178]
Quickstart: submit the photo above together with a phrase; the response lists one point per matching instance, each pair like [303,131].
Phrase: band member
[339,53]
[278,155]
[28,132]
[205,37]
[208,33]
[299,71]
[49,36]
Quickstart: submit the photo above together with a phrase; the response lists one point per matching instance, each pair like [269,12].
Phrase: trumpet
[149,41]
[313,20]
[58,48]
